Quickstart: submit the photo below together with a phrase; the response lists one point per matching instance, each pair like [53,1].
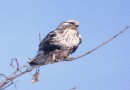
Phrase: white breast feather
[70,38]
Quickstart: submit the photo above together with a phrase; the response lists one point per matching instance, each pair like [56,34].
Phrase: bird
[58,44]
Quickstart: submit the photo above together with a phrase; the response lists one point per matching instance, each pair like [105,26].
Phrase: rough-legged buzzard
[58,44]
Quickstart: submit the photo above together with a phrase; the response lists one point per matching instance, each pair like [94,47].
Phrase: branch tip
[17,63]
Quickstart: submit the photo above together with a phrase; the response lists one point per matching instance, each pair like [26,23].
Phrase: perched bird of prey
[58,44]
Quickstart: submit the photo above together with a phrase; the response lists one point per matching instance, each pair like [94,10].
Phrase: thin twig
[2,75]
[39,37]
[74,88]
[17,63]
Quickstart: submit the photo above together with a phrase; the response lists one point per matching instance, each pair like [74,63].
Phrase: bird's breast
[69,38]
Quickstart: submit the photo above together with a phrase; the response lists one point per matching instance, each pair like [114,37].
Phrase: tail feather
[42,59]
[32,63]
[39,59]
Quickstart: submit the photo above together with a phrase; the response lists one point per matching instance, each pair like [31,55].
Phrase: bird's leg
[67,56]
[54,58]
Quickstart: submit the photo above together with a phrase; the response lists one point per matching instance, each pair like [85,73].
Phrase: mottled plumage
[58,44]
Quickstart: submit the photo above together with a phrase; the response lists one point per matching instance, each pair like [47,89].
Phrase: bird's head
[68,24]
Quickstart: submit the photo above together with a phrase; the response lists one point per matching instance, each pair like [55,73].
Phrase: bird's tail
[41,59]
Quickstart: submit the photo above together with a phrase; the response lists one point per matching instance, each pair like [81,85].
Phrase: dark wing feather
[48,43]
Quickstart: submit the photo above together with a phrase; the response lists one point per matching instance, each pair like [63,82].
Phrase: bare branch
[7,85]
[104,43]
[7,81]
